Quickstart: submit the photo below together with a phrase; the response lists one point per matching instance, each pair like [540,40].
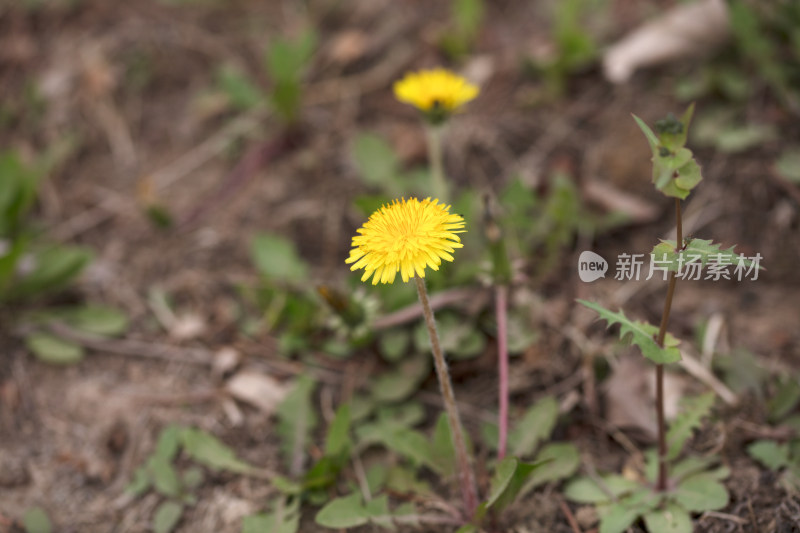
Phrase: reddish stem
[501,306]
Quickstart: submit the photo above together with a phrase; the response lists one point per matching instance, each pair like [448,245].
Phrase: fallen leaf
[684,31]
[257,389]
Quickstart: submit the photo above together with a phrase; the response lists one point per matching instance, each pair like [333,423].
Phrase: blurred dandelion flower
[437,93]
[405,236]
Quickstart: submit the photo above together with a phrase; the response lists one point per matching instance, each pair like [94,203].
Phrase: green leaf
[443,455]
[192,478]
[209,451]
[286,58]
[618,518]
[687,467]
[35,520]
[641,334]
[785,399]
[241,92]
[770,454]
[459,339]
[400,382]
[55,267]
[536,426]
[296,420]
[377,163]
[788,164]
[701,492]
[509,478]
[671,519]
[164,477]
[140,482]
[402,480]
[98,320]
[587,490]
[558,460]
[276,258]
[468,15]
[393,344]
[652,140]
[54,350]
[338,442]
[167,517]
[343,512]
[169,441]
[694,411]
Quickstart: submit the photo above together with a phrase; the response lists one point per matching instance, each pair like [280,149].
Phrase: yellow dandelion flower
[437,92]
[405,236]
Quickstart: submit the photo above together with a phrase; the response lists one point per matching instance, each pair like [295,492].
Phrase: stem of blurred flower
[501,274]
[436,161]
[466,477]
[501,306]
[662,333]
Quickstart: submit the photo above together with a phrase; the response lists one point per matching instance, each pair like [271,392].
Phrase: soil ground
[129,83]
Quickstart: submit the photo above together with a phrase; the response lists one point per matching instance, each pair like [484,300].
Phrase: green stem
[436,161]
[662,332]
[465,474]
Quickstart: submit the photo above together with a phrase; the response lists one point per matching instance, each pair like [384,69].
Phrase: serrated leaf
[694,411]
[297,418]
[167,517]
[641,334]
[54,350]
[700,251]
[276,258]
[35,520]
[671,519]
[770,454]
[701,492]
[209,451]
[535,426]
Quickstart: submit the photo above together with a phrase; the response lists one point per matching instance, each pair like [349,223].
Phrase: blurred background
[180,181]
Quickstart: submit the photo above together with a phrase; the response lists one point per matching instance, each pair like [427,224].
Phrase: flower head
[437,93]
[405,236]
